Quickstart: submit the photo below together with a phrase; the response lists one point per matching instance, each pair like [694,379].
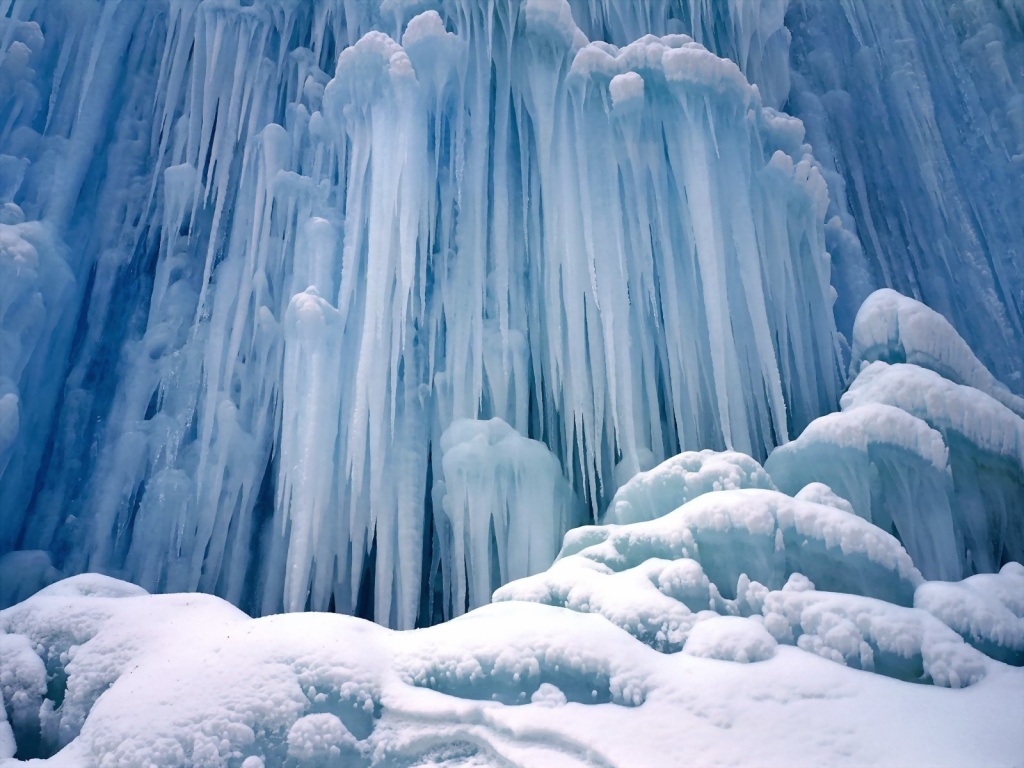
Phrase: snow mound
[23,687]
[819,493]
[657,602]
[321,739]
[768,536]
[893,328]
[873,635]
[719,554]
[187,679]
[731,638]
[532,652]
[681,478]
[986,609]
[90,680]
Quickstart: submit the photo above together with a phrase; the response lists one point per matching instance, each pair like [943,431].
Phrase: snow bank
[873,635]
[92,671]
[731,638]
[987,609]
[721,553]
[658,601]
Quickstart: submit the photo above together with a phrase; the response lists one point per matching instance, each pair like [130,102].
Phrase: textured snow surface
[96,672]
[102,673]
[986,609]
[730,638]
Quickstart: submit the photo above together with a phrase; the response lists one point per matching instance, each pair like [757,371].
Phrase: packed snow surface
[96,672]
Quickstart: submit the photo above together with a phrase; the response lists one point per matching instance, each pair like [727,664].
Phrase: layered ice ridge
[928,445]
[893,328]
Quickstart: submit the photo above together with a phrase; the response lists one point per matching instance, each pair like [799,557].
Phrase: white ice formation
[677,480]
[928,445]
[256,283]
[359,306]
[502,505]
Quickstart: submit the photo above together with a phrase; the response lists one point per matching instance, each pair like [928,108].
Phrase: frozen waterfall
[324,305]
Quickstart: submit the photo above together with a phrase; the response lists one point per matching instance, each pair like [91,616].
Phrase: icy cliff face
[916,110]
[260,260]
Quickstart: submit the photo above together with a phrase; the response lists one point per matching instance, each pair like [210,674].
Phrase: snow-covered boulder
[681,478]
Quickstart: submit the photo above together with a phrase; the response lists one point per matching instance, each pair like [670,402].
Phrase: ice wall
[266,253]
[352,228]
[916,111]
